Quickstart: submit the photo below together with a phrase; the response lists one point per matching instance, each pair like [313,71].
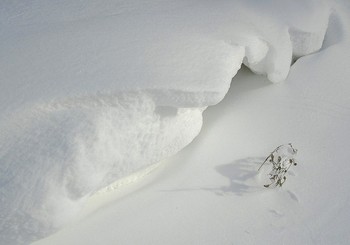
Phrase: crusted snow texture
[93,91]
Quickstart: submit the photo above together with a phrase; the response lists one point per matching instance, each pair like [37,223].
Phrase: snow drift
[94,91]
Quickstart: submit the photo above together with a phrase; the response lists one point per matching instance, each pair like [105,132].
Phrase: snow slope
[211,193]
[94,91]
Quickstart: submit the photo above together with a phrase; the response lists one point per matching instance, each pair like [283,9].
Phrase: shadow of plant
[242,175]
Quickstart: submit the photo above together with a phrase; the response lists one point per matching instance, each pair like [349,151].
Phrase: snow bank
[68,151]
[94,91]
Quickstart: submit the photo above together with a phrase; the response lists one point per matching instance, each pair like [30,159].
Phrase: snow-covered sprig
[282,158]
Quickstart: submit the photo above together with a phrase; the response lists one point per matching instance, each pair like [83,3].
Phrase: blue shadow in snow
[241,174]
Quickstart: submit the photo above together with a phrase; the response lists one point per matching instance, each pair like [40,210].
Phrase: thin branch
[281,166]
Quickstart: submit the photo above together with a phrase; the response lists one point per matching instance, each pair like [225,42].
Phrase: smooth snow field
[145,122]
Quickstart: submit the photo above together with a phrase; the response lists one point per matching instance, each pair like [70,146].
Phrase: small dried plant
[282,158]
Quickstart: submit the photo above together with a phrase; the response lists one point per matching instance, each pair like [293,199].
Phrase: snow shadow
[242,175]
[243,178]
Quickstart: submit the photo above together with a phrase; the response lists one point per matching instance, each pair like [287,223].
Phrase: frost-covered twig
[282,158]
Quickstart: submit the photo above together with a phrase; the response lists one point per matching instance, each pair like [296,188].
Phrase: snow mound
[92,92]
[67,151]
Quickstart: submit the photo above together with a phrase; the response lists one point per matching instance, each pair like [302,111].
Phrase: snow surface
[94,91]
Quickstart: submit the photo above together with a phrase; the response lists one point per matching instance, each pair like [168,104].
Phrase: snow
[99,91]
